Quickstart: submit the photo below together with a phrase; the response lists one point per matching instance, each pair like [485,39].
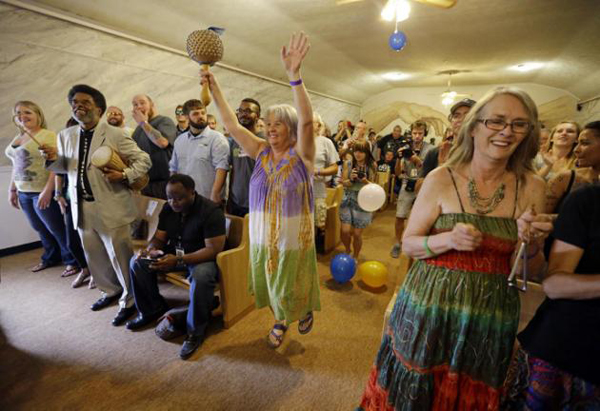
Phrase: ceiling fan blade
[342,2]
[445,4]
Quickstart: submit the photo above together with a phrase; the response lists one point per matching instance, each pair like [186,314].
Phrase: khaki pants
[108,251]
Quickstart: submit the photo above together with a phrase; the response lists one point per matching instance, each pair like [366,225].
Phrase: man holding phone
[190,234]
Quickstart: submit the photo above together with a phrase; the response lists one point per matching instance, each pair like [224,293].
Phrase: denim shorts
[351,213]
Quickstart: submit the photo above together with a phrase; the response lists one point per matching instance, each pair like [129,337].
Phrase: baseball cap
[465,102]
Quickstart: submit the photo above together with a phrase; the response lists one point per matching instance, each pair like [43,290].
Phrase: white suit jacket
[116,205]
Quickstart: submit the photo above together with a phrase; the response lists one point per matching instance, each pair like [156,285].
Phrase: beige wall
[43,57]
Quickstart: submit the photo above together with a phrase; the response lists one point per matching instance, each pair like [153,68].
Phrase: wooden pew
[333,224]
[233,262]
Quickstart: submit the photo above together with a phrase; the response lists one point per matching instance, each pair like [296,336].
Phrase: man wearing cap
[438,155]
[101,203]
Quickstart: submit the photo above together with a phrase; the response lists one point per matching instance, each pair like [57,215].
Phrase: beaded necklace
[485,205]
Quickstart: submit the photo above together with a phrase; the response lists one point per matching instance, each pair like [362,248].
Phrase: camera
[361,174]
[406,148]
[410,185]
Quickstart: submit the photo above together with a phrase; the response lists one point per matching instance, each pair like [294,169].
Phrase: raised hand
[294,54]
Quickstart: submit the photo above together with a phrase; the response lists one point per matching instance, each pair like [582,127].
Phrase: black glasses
[246,111]
[497,124]
[179,112]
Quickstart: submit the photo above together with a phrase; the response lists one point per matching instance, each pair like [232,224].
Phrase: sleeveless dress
[450,337]
[283,261]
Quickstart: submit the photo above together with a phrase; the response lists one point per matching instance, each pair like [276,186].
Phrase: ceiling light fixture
[397,10]
[527,66]
[395,75]
[449,96]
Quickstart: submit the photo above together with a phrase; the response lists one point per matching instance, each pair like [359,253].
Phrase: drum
[106,157]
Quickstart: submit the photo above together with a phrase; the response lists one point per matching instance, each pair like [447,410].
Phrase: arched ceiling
[349,42]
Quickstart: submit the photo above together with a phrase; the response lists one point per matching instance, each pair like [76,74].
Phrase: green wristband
[426,246]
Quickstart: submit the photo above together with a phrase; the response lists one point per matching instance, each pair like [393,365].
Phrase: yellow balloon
[373,273]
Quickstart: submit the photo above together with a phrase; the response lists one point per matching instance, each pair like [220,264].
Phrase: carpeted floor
[55,353]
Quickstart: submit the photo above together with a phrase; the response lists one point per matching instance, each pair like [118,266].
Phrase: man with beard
[115,117]
[155,135]
[390,142]
[201,153]
[212,121]
[242,165]
[101,203]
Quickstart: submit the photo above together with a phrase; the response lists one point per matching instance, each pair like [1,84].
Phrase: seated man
[190,234]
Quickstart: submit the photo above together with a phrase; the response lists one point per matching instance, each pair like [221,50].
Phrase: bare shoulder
[439,177]
[534,183]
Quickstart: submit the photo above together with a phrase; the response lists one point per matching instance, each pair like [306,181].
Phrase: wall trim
[20,248]
[81,21]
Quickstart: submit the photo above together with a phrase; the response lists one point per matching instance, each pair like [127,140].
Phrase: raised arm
[292,58]
[245,138]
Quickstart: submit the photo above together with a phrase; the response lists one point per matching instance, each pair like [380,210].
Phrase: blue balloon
[397,40]
[342,268]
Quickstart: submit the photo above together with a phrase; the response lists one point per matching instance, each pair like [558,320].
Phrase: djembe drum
[205,48]
[106,157]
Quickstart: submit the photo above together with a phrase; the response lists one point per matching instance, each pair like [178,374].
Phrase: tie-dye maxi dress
[283,261]
[451,333]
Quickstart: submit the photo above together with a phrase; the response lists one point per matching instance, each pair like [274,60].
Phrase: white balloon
[371,197]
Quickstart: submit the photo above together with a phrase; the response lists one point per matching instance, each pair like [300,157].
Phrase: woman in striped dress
[283,264]
[451,333]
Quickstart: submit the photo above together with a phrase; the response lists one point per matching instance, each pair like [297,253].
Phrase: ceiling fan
[450,96]
[445,4]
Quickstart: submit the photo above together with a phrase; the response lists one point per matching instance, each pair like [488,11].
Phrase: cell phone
[149,259]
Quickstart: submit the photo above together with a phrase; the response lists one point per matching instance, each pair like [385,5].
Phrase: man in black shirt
[190,234]
[391,142]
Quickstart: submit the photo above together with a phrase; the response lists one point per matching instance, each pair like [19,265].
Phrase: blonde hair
[317,119]
[287,115]
[521,160]
[32,106]
[571,156]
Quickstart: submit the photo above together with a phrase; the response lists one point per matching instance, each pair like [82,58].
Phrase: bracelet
[426,246]
[141,123]
[296,82]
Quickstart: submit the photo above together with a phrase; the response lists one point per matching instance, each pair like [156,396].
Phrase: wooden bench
[333,223]
[233,263]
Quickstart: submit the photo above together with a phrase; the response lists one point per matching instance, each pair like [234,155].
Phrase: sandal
[274,339]
[81,277]
[91,284]
[70,270]
[40,266]
[305,324]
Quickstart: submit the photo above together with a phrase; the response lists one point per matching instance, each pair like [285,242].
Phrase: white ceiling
[349,42]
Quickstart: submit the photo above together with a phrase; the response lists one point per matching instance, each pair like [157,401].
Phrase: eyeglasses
[179,112]
[496,124]
[113,113]
[246,111]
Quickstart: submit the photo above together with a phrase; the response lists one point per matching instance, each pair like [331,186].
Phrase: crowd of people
[496,179]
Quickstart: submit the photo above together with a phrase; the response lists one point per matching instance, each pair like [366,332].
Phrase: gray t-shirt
[159,156]
[410,170]
[242,167]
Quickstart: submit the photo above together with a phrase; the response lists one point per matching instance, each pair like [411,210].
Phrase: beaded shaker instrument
[205,48]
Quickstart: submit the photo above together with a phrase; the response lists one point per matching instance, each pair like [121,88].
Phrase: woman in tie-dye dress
[451,333]
[283,264]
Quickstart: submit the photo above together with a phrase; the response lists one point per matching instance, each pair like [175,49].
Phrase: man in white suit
[101,202]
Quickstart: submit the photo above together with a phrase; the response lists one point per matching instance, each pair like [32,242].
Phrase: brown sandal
[70,270]
[41,266]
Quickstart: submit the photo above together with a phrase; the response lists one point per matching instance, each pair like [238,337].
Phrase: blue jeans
[148,301]
[50,226]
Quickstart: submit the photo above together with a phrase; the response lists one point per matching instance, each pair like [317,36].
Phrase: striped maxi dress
[450,337]
[283,260]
